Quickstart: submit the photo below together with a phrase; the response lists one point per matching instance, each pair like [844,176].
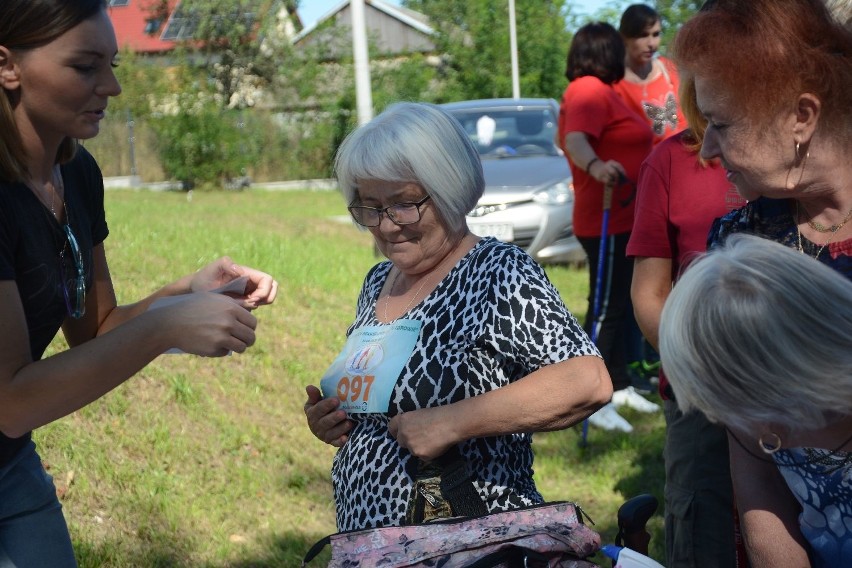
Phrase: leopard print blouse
[494,319]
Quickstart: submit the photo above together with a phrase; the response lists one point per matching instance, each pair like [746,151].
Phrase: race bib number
[364,374]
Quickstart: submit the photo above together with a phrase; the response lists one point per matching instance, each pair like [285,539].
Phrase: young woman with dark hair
[56,75]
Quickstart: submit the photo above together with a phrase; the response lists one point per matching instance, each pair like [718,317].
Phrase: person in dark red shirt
[679,196]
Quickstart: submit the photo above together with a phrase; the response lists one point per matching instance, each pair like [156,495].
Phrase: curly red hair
[765,53]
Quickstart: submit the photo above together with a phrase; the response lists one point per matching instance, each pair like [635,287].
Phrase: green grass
[208,462]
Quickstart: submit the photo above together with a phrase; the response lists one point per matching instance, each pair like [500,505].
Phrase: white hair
[420,143]
[755,332]
[842,11]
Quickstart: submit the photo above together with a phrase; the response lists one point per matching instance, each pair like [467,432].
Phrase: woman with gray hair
[748,337]
[458,342]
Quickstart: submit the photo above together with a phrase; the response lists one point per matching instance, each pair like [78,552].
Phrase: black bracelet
[592,161]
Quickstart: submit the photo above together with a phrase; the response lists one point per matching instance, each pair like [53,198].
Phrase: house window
[184,22]
[114,3]
[152,25]
[179,28]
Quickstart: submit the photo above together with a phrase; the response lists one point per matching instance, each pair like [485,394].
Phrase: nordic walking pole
[596,299]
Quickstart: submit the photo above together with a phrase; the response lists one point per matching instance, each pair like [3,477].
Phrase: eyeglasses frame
[387,211]
[78,310]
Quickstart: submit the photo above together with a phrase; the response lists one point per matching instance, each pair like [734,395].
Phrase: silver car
[529,196]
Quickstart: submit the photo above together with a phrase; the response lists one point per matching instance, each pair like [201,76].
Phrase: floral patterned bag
[551,534]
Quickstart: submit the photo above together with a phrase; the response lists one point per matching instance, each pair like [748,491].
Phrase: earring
[801,161]
[799,157]
[770,446]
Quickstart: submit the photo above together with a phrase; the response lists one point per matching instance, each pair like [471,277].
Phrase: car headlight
[557,194]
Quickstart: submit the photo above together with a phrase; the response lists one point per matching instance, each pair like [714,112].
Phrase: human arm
[651,285]
[325,419]
[768,511]
[580,151]
[554,397]
[261,289]
[35,393]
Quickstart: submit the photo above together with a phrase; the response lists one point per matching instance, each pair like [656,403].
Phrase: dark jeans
[32,529]
[614,304]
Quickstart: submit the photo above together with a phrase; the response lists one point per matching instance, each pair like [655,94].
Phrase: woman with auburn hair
[782,128]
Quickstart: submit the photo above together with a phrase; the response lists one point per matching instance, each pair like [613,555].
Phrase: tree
[236,44]
[473,36]
[673,14]
[226,61]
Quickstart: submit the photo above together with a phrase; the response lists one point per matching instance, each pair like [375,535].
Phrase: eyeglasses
[75,279]
[399,213]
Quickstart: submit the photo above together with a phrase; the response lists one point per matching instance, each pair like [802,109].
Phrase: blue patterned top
[821,481]
[773,219]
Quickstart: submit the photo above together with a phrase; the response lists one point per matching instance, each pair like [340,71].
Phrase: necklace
[815,456]
[57,188]
[834,229]
[643,82]
[423,280]
[819,227]
[417,293]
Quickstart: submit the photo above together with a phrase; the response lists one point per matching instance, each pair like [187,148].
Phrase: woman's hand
[609,172]
[260,290]
[206,324]
[426,433]
[580,150]
[326,421]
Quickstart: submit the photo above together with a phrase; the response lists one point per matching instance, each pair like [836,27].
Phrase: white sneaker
[631,399]
[608,418]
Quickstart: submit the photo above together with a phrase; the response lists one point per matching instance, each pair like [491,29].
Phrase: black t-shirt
[31,241]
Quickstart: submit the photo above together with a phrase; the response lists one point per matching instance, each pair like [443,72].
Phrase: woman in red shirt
[605,142]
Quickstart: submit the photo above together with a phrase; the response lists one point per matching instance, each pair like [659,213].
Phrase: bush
[205,147]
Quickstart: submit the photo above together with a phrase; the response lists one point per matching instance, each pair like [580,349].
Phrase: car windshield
[508,133]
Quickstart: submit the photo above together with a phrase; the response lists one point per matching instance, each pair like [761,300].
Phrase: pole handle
[607,196]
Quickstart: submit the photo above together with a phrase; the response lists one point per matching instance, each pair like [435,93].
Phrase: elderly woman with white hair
[462,341]
[758,337]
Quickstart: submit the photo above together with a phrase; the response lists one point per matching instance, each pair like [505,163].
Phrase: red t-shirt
[616,133]
[657,101]
[676,203]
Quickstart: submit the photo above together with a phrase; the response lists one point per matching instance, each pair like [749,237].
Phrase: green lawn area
[208,462]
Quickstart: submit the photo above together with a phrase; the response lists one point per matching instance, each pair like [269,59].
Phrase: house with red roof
[139,24]
[155,27]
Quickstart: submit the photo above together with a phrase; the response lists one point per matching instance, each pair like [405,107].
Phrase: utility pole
[513,45]
[363,92]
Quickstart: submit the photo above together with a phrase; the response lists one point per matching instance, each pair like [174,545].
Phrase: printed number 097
[350,389]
